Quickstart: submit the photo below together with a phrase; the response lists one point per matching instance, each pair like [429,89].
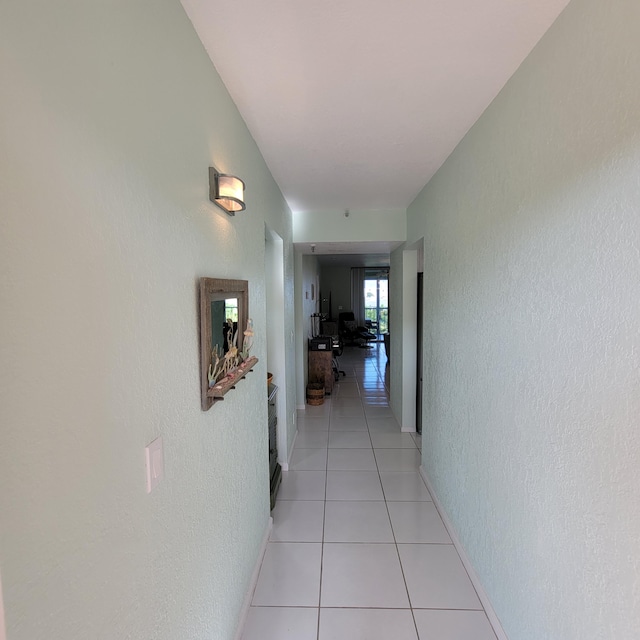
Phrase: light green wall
[532,347]
[388,225]
[396,278]
[111,115]
[307,273]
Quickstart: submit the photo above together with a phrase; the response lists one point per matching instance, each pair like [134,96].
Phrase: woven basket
[315,394]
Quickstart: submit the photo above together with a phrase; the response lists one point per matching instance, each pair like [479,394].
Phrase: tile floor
[358,550]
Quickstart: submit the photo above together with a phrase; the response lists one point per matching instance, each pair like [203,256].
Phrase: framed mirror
[224,310]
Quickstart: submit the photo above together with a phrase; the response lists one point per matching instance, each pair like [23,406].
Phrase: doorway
[376,301]
[419,355]
[276,343]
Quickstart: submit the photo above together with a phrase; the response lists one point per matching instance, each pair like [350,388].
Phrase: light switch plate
[154,454]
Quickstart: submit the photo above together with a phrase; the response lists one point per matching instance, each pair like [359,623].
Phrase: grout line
[360,375]
[395,542]
[485,603]
[312,606]
[324,519]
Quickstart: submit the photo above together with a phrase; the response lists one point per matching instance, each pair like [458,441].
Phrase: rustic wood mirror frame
[211,290]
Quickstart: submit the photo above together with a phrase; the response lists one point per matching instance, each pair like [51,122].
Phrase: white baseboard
[291,448]
[244,612]
[302,407]
[284,464]
[473,576]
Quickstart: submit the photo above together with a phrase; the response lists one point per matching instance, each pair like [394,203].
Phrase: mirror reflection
[224,323]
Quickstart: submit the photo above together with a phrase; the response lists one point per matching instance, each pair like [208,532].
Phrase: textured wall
[396,322]
[310,304]
[111,114]
[532,354]
[360,226]
[289,337]
[306,274]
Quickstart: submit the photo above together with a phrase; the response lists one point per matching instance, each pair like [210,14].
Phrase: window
[376,300]
[231,309]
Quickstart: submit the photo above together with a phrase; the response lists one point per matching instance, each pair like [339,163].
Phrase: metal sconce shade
[226,191]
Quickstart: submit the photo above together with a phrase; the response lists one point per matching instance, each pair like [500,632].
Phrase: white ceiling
[355,104]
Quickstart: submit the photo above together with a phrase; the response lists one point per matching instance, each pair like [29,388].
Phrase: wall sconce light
[226,191]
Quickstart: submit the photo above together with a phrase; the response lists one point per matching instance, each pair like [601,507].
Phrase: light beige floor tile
[397,459]
[313,424]
[347,401]
[302,485]
[319,411]
[353,485]
[383,425]
[297,521]
[417,522]
[436,578]
[366,624]
[351,423]
[362,575]
[357,521]
[289,576]
[351,460]
[378,411]
[281,623]
[311,439]
[349,440]
[375,398]
[453,625]
[348,391]
[348,411]
[364,593]
[372,388]
[404,485]
[392,441]
[308,460]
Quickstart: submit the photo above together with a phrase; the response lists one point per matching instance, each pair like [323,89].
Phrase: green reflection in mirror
[221,312]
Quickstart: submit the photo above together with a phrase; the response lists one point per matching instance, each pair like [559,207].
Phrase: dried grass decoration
[224,364]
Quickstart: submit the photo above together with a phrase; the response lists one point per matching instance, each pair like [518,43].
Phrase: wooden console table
[321,368]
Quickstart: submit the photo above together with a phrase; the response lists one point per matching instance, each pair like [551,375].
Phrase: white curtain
[357,294]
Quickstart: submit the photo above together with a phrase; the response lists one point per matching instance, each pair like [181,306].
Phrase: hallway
[358,550]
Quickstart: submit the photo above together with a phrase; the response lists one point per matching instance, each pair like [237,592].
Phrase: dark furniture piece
[372,327]
[330,328]
[351,332]
[275,470]
[321,369]
[338,348]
